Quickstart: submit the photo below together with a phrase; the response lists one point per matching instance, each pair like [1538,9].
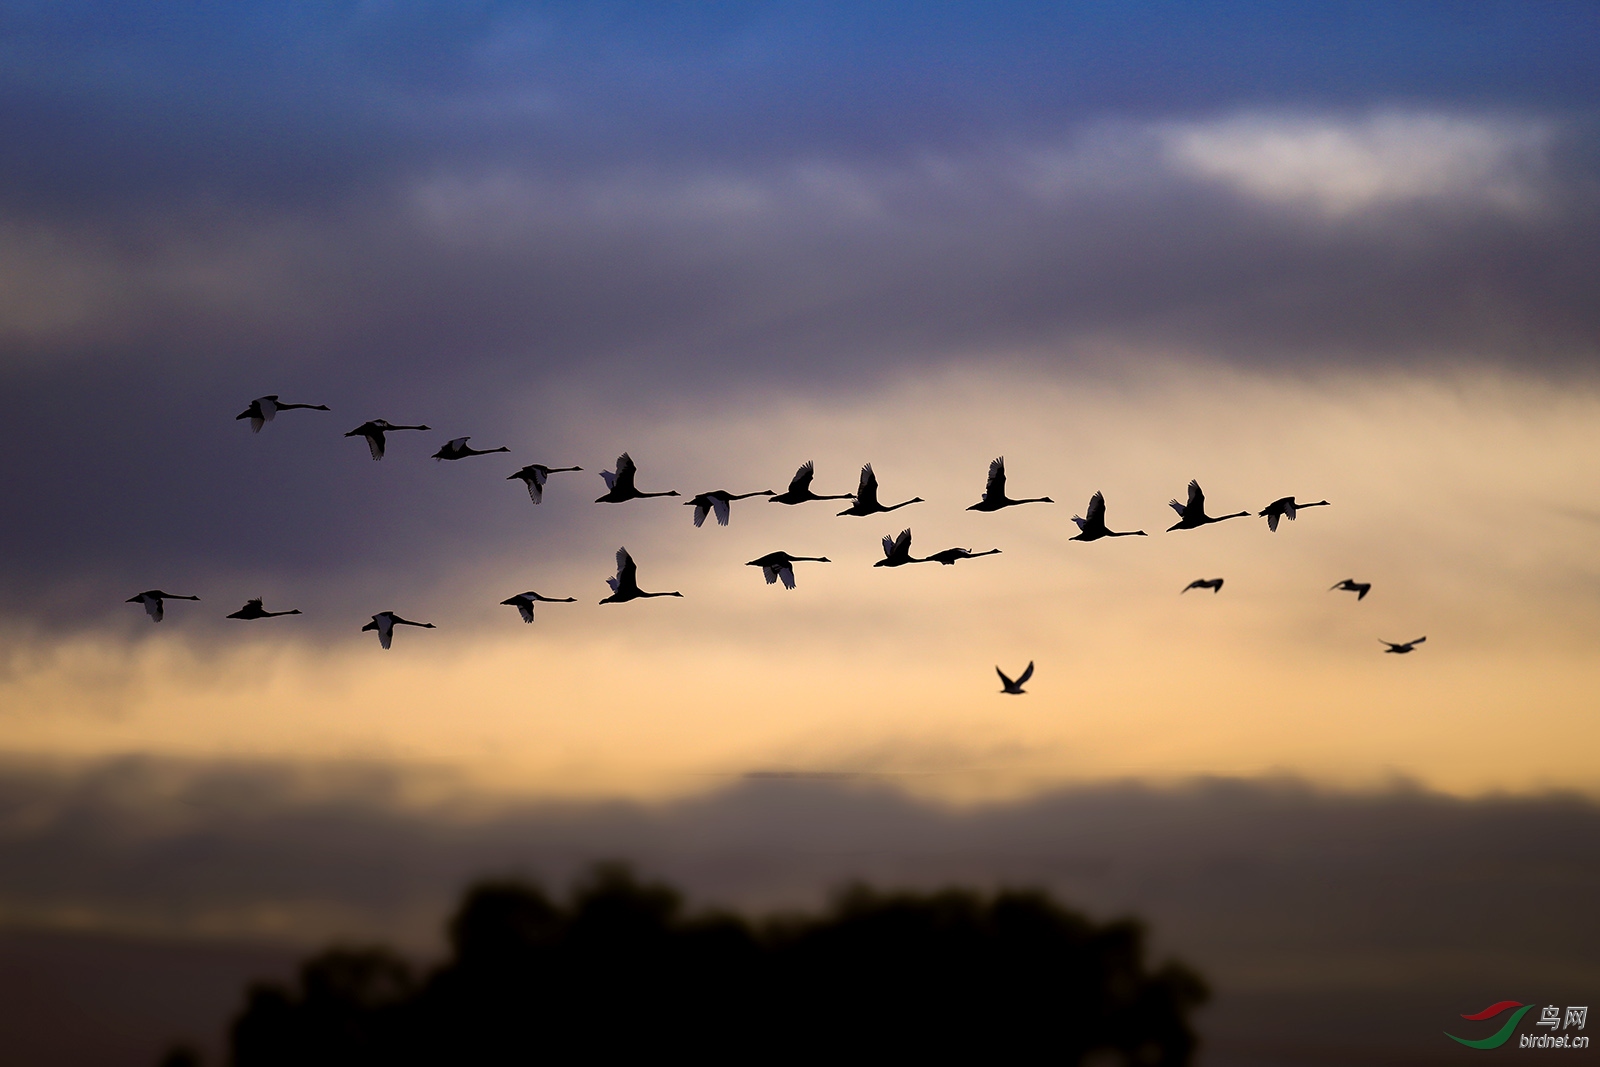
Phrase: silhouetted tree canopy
[623,970]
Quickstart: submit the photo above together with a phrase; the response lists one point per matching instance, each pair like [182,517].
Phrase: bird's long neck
[669,492]
[991,552]
[903,503]
[1125,533]
[1235,515]
[660,594]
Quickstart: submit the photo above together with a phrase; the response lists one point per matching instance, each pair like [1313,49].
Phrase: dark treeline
[623,970]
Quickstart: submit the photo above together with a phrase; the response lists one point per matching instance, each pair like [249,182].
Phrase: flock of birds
[775,566]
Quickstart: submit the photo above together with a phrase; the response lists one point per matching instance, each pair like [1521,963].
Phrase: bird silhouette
[535,475]
[799,490]
[1213,584]
[524,602]
[866,499]
[385,621]
[1094,527]
[948,556]
[1285,508]
[994,492]
[776,565]
[457,448]
[154,601]
[897,551]
[717,501]
[253,610]
[1014,688]
[1402,648]
[1193,514]
[263,408]
[374,430]
[1350,585]
[619,483]
[625,586]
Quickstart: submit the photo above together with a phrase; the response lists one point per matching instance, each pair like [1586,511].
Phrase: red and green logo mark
[1500,1036]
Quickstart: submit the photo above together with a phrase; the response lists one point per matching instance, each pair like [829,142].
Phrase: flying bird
[799,490]
[1350,585]
[154,602]
[897,551]
[776,565]
[1094,527]
[1015,688]
[535,475]
[263,408]
[373,431]
[1213,584]
[866,501]
[948,556]
[457,448]
[994,492]
[625,586]
[385,621]
[1285,508]
[524,602]
[619,483]
[717,501]
[253,610]
[1401,649]
[1193,514]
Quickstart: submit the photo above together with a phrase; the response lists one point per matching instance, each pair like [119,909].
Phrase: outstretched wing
[457,444]
[888,547]
[535,489]
[1175,506]
[786,572]
[1097,508]
[702,507]
[540,475]
[995,488]
[375,444]
[1363,589]
[902,544]
[1007,682]
[1026,674]
[627,570]
[770,572]
[525,609]
[1418,641]
[1197,497]
[802,477]
[867,491]
[1272,520]
[720,506]
[625,472]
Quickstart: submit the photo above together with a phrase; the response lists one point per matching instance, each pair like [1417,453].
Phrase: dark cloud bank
[1331,924]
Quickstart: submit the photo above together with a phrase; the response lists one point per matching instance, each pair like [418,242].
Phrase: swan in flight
[524,602]
[1401,649]
[1015,688]
[866,501]
[457,448]
[799,490]
[619,483]
[1193,514]
[717,501]
[897,551]
[1094,527]
[535,475]
[994,492]
[154,602]
[263,408]
[373,431]
[1350,585]
[385,621]
[1285,508]
[253,610]
[950,555]
[776,565]
[1213,584]
[625,586]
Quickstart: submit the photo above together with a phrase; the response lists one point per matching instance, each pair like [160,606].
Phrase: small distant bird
[385,621]
[457,448]
[253,610]
[374,430]
[1285,508]
[777,565]
[263,408]
[154,602]
[897,551]
[625,586]
[799,490]
[1094,527]
[1401,649]
[994,492]
[866,500]
[524,602]
[717,501]
[1193,514]
[948,556]
[535,475]
[1350,585]
[619,483]
[1015,688]
[1213,584]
